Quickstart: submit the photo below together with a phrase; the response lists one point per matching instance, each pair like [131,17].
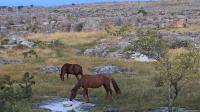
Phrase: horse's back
[91,81]
[72,68]
[105,76]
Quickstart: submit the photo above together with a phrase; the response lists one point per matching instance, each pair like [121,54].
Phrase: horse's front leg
[86,90]
[84,93]
[67,76]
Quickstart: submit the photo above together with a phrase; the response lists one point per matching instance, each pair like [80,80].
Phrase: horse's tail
[116,87]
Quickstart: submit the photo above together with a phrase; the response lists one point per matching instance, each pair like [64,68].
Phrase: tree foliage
[176,72]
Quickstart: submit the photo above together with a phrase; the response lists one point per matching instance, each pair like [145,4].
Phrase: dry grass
[70,38]
[176,52]
[182,30]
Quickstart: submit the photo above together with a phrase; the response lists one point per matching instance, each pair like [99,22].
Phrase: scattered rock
[57,105]
[165,109]
[4,62]
[112,109]
[91,25]
[50,69]
[16,41]
[178,40]
[141,57]
[84,107]
[109,69]
[116,50]
[99,50]
[27,44]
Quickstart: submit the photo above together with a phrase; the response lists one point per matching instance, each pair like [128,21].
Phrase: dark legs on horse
[85,94]
[108,91]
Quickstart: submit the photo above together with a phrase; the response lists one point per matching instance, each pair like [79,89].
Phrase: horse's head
[73,94]
[61,77]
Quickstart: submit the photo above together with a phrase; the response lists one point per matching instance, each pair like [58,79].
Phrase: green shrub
[51,44]
[30,53]
[4,41]
[56,44]
[149,43]
[122,30]
[142,10]
[26,85]
[12,92]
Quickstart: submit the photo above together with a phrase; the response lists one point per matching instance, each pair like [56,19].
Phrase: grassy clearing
[138,91]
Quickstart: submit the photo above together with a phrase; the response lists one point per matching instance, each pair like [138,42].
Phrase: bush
[4,41]
[51,44]
[122,30]
[12,92]
[149,43]
[142,10]
[56,44]
[30,53]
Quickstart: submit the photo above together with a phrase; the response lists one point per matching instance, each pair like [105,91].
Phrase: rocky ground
[92,17]
[75,34]
[182,20]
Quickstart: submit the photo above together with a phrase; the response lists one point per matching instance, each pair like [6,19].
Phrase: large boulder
[91,25]
[112,109]
[99,50]
[176,40]
[180,21]
[16,41]
[50,69]
[4,61]
[108,69]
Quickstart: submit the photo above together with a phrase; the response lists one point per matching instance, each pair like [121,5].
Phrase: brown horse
[73,69]
[95,81]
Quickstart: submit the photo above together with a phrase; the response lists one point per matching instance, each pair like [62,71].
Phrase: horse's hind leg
[107,90]
[84,93]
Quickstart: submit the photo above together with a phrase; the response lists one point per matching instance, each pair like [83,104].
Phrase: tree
[175,73]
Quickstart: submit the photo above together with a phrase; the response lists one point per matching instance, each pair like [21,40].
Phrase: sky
[53,2]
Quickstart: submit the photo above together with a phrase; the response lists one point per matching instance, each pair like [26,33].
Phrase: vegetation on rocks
[163,34]
[148,43]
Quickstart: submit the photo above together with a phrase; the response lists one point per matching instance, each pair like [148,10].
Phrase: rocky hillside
[92,17]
